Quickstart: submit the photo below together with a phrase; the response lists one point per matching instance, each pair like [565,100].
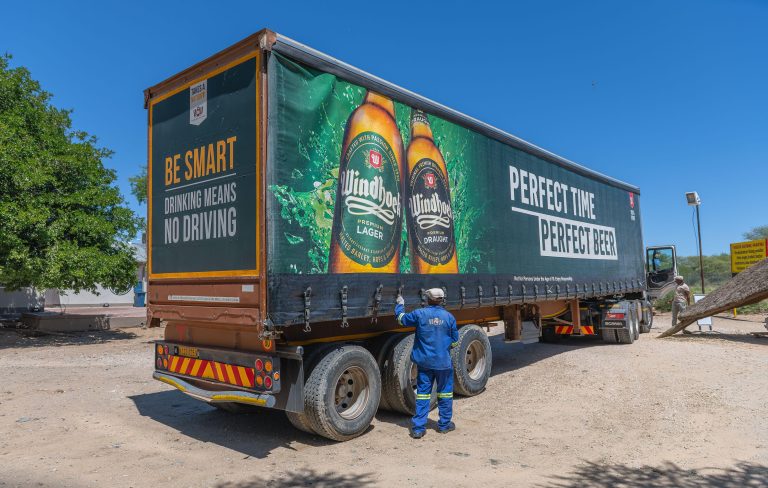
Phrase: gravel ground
[686,411]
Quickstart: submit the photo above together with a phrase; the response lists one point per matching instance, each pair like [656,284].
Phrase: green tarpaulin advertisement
[349,169]
[510,212]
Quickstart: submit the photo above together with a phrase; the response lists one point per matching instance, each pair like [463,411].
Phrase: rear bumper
[237,396]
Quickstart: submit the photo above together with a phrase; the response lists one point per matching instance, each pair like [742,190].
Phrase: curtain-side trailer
[292,197]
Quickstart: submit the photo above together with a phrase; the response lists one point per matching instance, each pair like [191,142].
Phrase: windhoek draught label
[368,218]
[430,217]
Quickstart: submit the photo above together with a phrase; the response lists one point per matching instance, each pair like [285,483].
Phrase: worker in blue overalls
[436,334]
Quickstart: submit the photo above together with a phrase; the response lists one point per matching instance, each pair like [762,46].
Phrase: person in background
[436,335]
[681,299]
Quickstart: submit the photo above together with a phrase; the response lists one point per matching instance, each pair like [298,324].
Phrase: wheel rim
[475,360]
[352,393]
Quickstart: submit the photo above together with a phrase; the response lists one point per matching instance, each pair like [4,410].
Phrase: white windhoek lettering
[369,197]
[431,211]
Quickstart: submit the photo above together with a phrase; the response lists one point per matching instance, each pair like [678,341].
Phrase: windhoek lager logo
[431,213]
[370,197]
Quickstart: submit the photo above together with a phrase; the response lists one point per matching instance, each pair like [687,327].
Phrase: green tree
[64,223]
[139,185]
[760,232]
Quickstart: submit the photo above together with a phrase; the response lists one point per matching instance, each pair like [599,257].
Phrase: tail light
[615,315]
[267,382]
[259,365]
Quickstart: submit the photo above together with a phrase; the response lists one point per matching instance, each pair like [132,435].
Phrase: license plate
[187,351]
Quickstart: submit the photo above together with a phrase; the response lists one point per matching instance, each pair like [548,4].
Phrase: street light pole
[693,200]
[701,258]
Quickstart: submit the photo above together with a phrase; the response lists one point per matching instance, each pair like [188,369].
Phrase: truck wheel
[647,322]
[398,387]
[472,361]
[300,420]
[627,336]
[342,393]
[381,348]
[636,319]
[549,335]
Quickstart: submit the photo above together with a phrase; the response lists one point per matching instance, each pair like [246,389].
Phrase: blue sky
[671,96]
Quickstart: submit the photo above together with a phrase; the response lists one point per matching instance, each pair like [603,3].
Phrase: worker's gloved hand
[400,300]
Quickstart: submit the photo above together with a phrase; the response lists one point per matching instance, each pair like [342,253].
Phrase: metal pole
[701,258]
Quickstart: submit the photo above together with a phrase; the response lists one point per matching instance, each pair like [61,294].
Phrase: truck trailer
[293,197]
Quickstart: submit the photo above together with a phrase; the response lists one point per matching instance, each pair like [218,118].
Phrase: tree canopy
[760,232]
[64,223]
[139,185]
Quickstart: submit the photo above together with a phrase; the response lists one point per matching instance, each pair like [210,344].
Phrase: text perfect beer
[430,217]
[368,215]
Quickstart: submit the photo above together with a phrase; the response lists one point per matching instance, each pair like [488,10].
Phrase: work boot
[417,434]
[450,428]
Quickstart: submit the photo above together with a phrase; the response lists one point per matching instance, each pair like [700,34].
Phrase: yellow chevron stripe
[208,371]
[184,365]
[196,367]
[220,374]
[230,374]
[243,376]
[174,363]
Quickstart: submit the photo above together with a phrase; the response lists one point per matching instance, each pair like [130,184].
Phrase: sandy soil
[685,411]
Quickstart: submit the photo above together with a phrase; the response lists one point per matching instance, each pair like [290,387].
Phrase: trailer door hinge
[307,301]
[343,294]
[376,303]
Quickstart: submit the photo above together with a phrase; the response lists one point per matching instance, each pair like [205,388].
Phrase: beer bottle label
[431,214]
[371,213]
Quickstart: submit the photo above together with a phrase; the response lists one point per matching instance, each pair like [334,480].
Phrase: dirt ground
[686,411]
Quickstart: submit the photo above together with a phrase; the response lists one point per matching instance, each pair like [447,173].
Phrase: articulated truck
[293,197]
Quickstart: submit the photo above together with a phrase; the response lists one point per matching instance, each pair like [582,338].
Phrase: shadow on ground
[718,336]
[667,475]
[254,434]
[509,357]
[20,338]
[307,477]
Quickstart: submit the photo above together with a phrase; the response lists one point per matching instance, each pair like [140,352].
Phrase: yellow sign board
[745,254]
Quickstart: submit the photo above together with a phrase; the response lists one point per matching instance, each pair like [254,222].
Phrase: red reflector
[259,365]
[614,315]
[166,350]
[267,382]
[159,363]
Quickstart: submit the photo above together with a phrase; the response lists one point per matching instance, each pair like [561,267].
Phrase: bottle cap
[417,116]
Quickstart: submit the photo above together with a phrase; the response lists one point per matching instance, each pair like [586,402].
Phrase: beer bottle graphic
[368,215]
[430,216]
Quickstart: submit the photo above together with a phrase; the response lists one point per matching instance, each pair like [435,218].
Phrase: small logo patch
[198,102]
[374,159]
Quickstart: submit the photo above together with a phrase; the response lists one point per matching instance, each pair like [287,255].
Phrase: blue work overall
[436,334]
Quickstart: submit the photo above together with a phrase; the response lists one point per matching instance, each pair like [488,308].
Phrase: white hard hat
[435,294]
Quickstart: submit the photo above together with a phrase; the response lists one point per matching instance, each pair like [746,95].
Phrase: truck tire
[342,393]
[647,322]
[472,361]
[549,335]
[637,318]
[398,384]
[381,348]
[300,419]
[627,336]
